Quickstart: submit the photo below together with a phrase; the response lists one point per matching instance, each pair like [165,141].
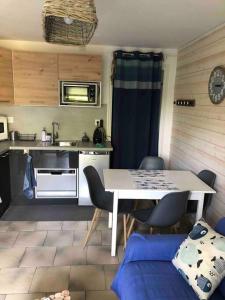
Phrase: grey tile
[38,257]
[70,255]
[87,278]
[110,271]
[4,225]
[31,239]
[25,296]
[95,238]
[15,280]
[77,295]
[59,238]
[7,239]
[22,226]
[50,279]
[49,225]
[100,255]
[103,295]
[74,225]
[102,224]
[10,257]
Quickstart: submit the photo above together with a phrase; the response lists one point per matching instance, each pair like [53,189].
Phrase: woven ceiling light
[69,21]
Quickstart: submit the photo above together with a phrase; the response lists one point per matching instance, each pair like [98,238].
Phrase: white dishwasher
[100,161]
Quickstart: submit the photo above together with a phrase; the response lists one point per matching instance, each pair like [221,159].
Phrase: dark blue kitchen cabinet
[5,194]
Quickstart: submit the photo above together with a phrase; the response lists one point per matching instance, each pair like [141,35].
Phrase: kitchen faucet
[55,134]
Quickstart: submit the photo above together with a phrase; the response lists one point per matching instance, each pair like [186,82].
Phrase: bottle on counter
[43,135]
[99,136]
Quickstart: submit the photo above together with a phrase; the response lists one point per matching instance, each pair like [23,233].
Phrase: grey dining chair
[152,163]
[168,212]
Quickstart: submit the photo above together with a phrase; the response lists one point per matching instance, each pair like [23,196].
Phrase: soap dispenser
[43,135]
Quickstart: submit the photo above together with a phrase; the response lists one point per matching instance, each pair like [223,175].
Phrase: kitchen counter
[38,145]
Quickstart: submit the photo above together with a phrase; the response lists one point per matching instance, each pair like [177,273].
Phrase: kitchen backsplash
[73,121]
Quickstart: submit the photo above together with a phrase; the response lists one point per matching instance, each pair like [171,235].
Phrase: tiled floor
[40,258]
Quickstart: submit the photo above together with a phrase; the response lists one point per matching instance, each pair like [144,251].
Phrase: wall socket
[97,122]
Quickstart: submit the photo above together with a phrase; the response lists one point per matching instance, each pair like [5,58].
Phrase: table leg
[114,223]
[110,220]
[199,212]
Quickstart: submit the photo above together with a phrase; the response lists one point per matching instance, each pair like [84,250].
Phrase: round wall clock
[216,87]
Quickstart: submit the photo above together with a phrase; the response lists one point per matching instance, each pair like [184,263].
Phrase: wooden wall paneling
[35,78]
[6,76]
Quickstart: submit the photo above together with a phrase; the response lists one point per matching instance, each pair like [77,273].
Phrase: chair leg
[131,227]
[124,231]
[96,213]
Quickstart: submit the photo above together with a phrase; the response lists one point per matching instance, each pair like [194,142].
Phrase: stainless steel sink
[65,143]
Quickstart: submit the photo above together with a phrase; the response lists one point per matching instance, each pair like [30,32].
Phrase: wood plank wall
[198,135]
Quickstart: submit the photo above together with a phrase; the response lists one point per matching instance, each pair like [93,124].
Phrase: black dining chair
[167,212]
[103,201]
[152,163]
[209,178]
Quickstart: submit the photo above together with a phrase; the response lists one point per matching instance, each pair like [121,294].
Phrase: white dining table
[149,185]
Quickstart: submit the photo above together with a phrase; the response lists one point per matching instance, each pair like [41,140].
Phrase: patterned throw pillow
[201,259]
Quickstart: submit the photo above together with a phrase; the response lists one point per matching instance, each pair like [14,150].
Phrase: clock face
[216,86]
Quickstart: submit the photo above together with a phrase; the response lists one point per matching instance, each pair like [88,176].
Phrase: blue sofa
[147,273]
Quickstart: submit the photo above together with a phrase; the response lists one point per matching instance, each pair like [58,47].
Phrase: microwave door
[2,127]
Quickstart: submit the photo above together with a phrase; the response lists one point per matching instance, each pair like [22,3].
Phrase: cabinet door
[6,76]
[35,78]
[5,195]
[80,67]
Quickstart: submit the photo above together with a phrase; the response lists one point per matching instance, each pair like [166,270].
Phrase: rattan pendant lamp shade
[70,22]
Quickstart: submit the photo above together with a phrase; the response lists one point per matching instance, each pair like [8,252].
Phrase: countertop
[38,145]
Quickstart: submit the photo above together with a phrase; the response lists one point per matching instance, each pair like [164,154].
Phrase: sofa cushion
[154,280]
[201,259]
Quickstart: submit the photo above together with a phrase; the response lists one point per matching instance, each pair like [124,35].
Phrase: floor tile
[120,253]
[4,226]
[106,237]
[15,280]
[11,257]
[101,225]
[51,225]
[76,295]
[50,279]
[24,296]
[103,295]
[38,257]
[74,225]
[95,238]
[7,239]
[100,255]
[31,239]
[110,271]
[22,226]
[59,238]
[70,255]
[87,278]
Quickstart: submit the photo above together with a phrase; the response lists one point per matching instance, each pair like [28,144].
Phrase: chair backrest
[99,197]
[152,163]
[209,178]
[169,210]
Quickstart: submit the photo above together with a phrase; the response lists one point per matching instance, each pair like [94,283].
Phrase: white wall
[107,54]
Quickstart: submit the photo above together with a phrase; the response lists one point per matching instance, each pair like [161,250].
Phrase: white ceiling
[137,23]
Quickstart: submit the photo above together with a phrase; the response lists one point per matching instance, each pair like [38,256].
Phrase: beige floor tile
[106,237]
[11,257]
[24,296]
[74,225]
[100,255]
[70,255]
[49,225]
[101,225]
[50,279]
[103,295]
[7,239]
[120,253]
[31,239]
[95,238]
[59,238]
[38,257]
[15,280]
[87,278]
[110,271]
[77,295]
[4,226]
[22,226]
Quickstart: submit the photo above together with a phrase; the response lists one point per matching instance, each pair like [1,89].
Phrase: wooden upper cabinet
[35,78]
[6,76]
[80,67]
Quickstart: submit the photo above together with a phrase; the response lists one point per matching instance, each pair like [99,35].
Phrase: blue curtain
[137,86]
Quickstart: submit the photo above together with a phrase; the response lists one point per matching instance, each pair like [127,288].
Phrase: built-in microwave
[83,94]
[3,128]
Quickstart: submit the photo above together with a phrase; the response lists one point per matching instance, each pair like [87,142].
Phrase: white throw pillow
[201,259]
